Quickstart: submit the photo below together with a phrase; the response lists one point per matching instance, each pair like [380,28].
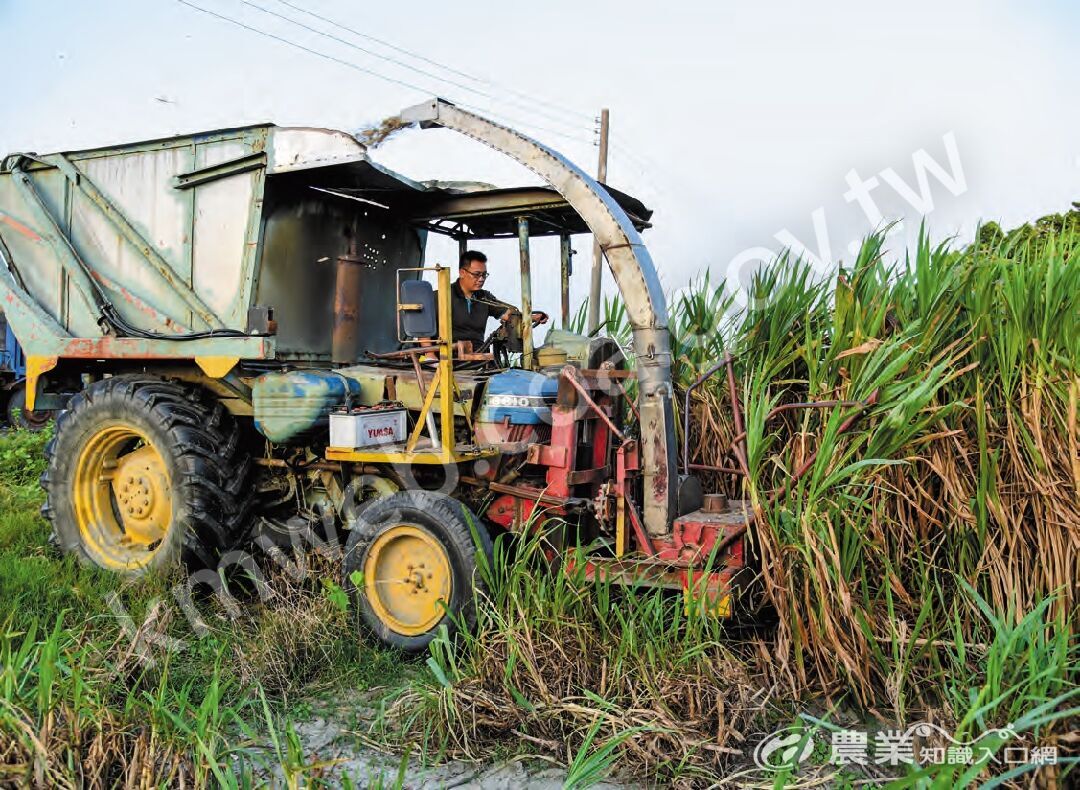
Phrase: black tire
[18,416]
[208,487]
[452,526]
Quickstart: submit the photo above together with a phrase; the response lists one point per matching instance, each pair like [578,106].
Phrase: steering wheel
[506,339]
[500,343]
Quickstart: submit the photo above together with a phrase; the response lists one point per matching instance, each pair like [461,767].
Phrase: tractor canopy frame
[634,273]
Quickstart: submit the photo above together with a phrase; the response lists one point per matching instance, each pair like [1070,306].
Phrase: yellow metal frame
[216,367]
[35,367]
[620,526]
[442,386]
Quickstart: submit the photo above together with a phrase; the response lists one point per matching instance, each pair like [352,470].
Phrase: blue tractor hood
[522,396]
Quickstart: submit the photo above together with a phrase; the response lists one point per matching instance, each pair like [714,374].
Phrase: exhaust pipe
[346,340]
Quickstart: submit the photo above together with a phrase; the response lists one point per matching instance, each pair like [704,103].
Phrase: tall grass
[966,470]
[925,565]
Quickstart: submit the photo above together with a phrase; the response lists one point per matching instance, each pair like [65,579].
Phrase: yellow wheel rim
[122,497]
[407,579]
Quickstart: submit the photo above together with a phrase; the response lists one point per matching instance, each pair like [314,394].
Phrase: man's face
[474,275]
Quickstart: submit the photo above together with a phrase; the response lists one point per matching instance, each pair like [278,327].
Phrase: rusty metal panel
[26,237]
[54,193]
[305,232]
[137,231]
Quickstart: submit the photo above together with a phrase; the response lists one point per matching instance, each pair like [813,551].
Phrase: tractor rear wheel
[143,473]
[18,416]
[411,566]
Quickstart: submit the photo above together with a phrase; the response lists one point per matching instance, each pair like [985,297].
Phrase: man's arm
[491,300]
[488,298]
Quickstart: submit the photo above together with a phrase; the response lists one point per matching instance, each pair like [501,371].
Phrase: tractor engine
[514,413]
[516,410]
[555,453]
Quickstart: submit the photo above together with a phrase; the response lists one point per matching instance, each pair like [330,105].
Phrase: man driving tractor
[472,306]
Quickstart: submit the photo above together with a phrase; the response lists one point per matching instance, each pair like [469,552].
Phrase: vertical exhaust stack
[346,339]
[634,272]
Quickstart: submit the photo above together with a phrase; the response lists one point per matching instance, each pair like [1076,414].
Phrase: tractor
[243,332]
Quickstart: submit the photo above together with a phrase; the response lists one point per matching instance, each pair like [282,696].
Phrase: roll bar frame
[635,275]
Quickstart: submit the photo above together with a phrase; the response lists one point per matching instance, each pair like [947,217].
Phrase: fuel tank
[294,406]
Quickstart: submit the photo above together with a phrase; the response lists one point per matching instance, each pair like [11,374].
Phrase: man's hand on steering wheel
[502,340]
[538,316]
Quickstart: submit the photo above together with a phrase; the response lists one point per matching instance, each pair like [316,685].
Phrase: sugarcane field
[592,395]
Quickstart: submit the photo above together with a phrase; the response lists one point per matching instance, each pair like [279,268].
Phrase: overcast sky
[735,122]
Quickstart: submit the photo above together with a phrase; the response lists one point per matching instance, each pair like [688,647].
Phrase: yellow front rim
[407,579]
[122,497]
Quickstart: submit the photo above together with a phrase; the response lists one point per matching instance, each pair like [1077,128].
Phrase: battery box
[369,426]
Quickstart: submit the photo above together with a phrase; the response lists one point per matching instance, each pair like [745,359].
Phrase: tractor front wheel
[143,473]
[411,566]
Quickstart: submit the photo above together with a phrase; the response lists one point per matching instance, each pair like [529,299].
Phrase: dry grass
[558,659]
[63,723]
[375,136]
[70,752]
[300,627]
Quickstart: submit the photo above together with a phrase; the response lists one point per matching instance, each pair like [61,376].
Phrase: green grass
[33,583]
[75,701]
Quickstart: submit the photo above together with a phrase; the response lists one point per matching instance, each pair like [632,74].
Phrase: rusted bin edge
[45,343]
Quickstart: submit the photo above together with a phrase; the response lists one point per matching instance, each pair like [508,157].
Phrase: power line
[283,40]
[401,63]
[642,164]
[430,61]
[641,161]
[371,72]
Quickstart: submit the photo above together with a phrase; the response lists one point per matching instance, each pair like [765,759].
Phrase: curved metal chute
[634,273]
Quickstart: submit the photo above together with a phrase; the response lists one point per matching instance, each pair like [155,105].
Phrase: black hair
[469,256]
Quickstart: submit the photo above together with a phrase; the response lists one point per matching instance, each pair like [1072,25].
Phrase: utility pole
[598,254]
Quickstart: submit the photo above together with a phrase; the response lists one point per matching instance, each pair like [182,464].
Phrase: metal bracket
[233,167]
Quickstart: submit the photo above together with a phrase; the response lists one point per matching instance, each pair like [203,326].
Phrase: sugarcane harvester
[243,333]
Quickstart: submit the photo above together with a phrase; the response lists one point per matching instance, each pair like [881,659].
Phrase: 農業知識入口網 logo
[784,749]
[921,744]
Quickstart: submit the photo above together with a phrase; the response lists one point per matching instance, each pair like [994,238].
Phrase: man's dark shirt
[470,315]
